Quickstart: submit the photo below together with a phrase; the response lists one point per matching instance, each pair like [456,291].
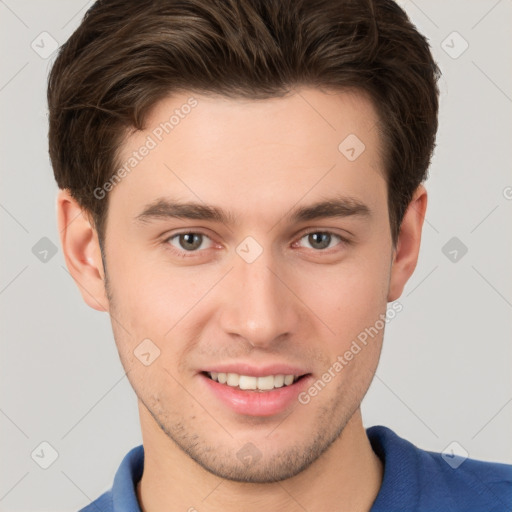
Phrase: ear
[81,249]
[408,244]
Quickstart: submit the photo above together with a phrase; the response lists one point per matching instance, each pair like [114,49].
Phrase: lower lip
[257,403]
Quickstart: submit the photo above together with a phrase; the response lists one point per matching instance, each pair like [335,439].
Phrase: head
[307,127]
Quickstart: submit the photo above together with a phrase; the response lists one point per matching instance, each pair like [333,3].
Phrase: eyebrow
[336,207]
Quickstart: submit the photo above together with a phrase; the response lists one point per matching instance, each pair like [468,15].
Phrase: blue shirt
[414,480]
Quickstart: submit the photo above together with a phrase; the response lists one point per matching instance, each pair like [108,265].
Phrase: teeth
[255,383]
[264,383]
[233,379]
[279,381]
[245,382]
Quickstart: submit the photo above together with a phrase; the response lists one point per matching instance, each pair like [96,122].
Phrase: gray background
[445,372]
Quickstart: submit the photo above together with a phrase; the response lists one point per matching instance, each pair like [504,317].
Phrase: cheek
[150,294]
[348,297]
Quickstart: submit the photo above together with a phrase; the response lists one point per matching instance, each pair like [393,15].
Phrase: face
[281,263]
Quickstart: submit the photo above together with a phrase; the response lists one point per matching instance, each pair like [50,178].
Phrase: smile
[247,382]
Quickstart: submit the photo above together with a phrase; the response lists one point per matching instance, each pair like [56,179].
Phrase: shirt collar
[124,496]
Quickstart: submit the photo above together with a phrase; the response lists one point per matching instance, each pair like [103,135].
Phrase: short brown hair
[129,54]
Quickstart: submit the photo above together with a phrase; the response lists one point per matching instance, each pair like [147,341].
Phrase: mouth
[265,393]
[252,383]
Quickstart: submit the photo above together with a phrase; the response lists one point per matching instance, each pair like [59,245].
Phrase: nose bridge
[259,307]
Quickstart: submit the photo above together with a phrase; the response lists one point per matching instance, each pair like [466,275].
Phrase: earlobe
[408,244]
[81,250]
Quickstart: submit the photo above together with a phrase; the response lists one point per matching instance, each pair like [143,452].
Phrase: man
[241,189]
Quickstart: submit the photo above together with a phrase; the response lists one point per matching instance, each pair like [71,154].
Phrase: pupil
[320,240]
[191,240]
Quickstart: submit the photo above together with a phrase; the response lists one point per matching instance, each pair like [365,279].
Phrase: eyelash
[191,254]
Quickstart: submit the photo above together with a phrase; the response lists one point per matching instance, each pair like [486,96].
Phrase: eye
[189,242]
[321,240]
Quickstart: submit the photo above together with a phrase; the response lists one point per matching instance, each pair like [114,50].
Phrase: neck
[347,477]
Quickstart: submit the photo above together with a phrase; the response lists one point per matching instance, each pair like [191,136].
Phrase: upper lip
[256,371]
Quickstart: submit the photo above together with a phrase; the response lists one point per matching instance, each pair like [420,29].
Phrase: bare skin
[297,303]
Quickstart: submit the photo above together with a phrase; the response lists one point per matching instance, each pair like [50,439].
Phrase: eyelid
[343,239]
[182,252]
[197,231]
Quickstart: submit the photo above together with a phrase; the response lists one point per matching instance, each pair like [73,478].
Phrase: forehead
[240,152]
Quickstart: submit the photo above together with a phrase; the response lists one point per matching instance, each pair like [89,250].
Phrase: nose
[260,306]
